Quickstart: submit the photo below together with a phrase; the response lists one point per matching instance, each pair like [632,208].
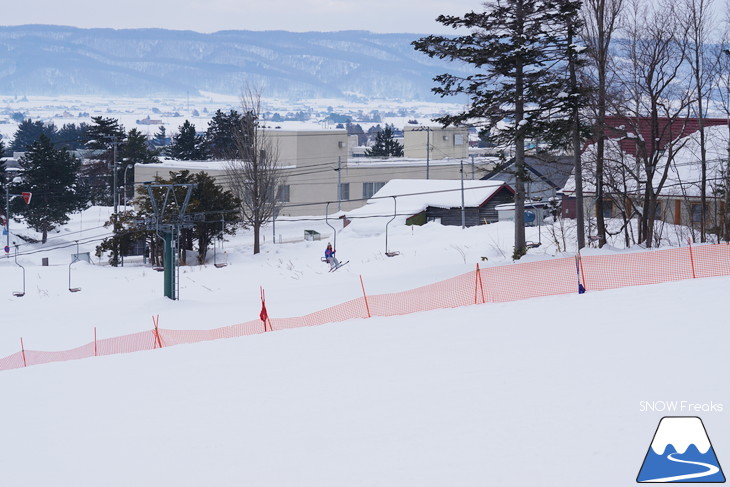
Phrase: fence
[489,285]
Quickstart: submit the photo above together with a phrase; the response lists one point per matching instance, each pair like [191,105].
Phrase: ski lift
[215,253]
[19,294]
[388,252]
[326,220]
[74,259]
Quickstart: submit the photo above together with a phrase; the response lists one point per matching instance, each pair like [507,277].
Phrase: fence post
[367,306]
[22,352]
[156,323]
[691,257]
[581,273]
[264,315]
[478,285]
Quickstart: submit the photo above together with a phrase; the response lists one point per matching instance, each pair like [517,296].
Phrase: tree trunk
[256,234]
[520,244]
[577,167]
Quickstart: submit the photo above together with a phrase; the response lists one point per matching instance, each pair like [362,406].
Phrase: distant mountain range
[56,60]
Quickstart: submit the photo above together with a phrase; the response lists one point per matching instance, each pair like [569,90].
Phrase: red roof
[668,130]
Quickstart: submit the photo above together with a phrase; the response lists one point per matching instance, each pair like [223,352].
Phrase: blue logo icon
[681,452]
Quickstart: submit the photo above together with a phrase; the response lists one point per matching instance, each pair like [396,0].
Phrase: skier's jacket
[329,253]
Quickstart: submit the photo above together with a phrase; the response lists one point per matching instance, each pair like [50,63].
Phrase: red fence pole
[156,322]
[367,306]
[264,315]
[22,352]
[478,285]
[691,258]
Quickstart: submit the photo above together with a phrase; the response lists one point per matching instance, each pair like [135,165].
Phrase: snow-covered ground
[172,112]
[540,392]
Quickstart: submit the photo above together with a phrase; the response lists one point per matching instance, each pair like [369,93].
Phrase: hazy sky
[213,15]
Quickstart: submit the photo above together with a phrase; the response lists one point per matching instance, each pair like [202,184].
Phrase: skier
[329,256]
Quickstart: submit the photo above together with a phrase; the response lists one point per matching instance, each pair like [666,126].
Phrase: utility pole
[339,183]
[114,173]
[7,218]
[427,129]
[463,215]
[428,151]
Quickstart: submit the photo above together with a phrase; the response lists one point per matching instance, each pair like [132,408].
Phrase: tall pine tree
[518,89]
[187,145]
[52,175]
[385,145]
[221,134]
[101,137]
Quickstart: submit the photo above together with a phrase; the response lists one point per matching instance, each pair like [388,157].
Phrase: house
[546,175]
[679,201]
[415,202]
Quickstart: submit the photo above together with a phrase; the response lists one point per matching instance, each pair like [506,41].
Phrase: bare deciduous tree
[254,178]
[697,18]
[601,20]
[655,92]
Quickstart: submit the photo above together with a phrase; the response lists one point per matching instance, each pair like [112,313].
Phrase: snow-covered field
[172,112]
[540,392]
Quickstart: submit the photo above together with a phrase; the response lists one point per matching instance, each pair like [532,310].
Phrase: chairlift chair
[19,294]
[215,253]
[388,252]
[72,289]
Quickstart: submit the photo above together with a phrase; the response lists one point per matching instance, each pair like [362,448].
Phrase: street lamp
[125,184]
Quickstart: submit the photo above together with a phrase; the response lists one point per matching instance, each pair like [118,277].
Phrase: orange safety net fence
[489,285]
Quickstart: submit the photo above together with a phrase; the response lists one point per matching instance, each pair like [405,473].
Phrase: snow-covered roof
[415,195]
[172,165]
[412,161]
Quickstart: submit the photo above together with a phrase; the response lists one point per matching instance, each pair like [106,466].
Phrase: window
[344,192]
[696,211]
[282,193]
[459,139]
[607,208]
[658,211]
[369,189]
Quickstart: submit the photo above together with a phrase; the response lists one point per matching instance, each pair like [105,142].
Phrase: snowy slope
[539,392]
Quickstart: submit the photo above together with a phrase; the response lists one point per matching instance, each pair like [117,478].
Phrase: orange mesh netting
[493,284]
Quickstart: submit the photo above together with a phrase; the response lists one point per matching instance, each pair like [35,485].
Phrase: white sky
[213,15]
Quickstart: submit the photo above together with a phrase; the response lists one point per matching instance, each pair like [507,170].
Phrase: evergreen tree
[52,175]
[3,173]
[101,138]
[385,145]
[29,131]
[187,145]
[135,150]
[356,129]
[221,134]
[517,48]
[215,210]
[71,136]
[160,139]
